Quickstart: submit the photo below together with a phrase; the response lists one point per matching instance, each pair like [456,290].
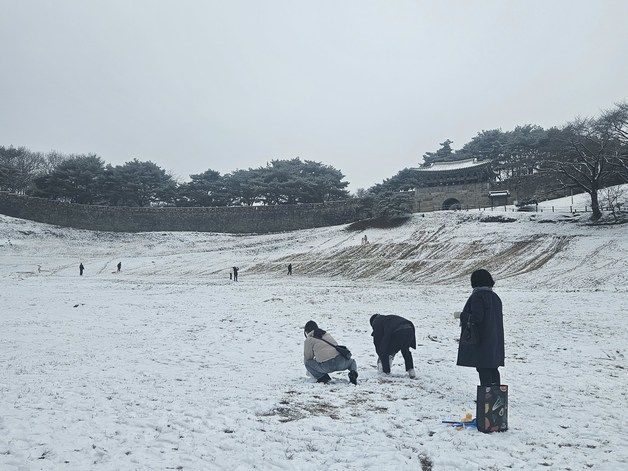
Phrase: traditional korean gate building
[456,185]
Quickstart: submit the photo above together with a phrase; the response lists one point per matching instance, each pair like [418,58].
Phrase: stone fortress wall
[265,219]
[232,219]
[469,195]
[538,187]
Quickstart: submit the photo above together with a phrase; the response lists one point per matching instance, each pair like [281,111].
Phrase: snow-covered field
[169,365]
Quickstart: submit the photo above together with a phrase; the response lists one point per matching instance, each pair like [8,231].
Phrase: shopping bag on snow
[492,408]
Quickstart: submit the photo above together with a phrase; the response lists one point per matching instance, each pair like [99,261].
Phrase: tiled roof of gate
[455,165]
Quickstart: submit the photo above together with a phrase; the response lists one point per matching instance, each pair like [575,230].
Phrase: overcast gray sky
[367,86]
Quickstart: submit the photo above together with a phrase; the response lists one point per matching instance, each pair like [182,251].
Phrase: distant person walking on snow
[322,355]
[235,273]
[290,269]
[119,266]
[81,269]
[482,330]
[390,335]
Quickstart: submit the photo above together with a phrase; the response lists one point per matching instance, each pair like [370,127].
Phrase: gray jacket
[318,350]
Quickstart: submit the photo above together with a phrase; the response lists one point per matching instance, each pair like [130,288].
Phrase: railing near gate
[536,208]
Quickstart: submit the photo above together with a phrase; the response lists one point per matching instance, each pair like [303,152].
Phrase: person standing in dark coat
[81,269]
[119,266]
[390,335]
[290,269]
[235,273]
[484,311]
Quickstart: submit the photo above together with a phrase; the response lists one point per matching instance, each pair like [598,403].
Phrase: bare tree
[27,167]
[53,159]
[18,167]
[614,198]
[616,119]
[586,153]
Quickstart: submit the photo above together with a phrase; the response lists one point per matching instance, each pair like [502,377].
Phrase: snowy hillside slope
[549,249]
[169,365]
[442,248]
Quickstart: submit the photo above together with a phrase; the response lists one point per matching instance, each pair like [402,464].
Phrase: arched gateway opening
[459,184]
[452,203]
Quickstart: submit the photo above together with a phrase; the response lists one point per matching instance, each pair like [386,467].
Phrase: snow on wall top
[456,165]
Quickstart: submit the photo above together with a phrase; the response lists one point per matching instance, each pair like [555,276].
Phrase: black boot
[353,377]
[324,379]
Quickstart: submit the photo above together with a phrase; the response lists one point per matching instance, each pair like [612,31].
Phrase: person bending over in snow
[322,355]
[391,334]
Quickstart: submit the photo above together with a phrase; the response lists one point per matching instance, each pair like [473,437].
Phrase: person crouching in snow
[391,334]
[322,355]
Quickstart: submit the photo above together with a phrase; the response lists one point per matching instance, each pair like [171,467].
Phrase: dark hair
[372,319]
[310,326]
[481,278]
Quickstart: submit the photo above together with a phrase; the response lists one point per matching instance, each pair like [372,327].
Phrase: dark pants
[400,340]
[488,376]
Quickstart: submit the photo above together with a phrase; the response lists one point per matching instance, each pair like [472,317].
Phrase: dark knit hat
[481,278]
[372,319]
[310,326]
